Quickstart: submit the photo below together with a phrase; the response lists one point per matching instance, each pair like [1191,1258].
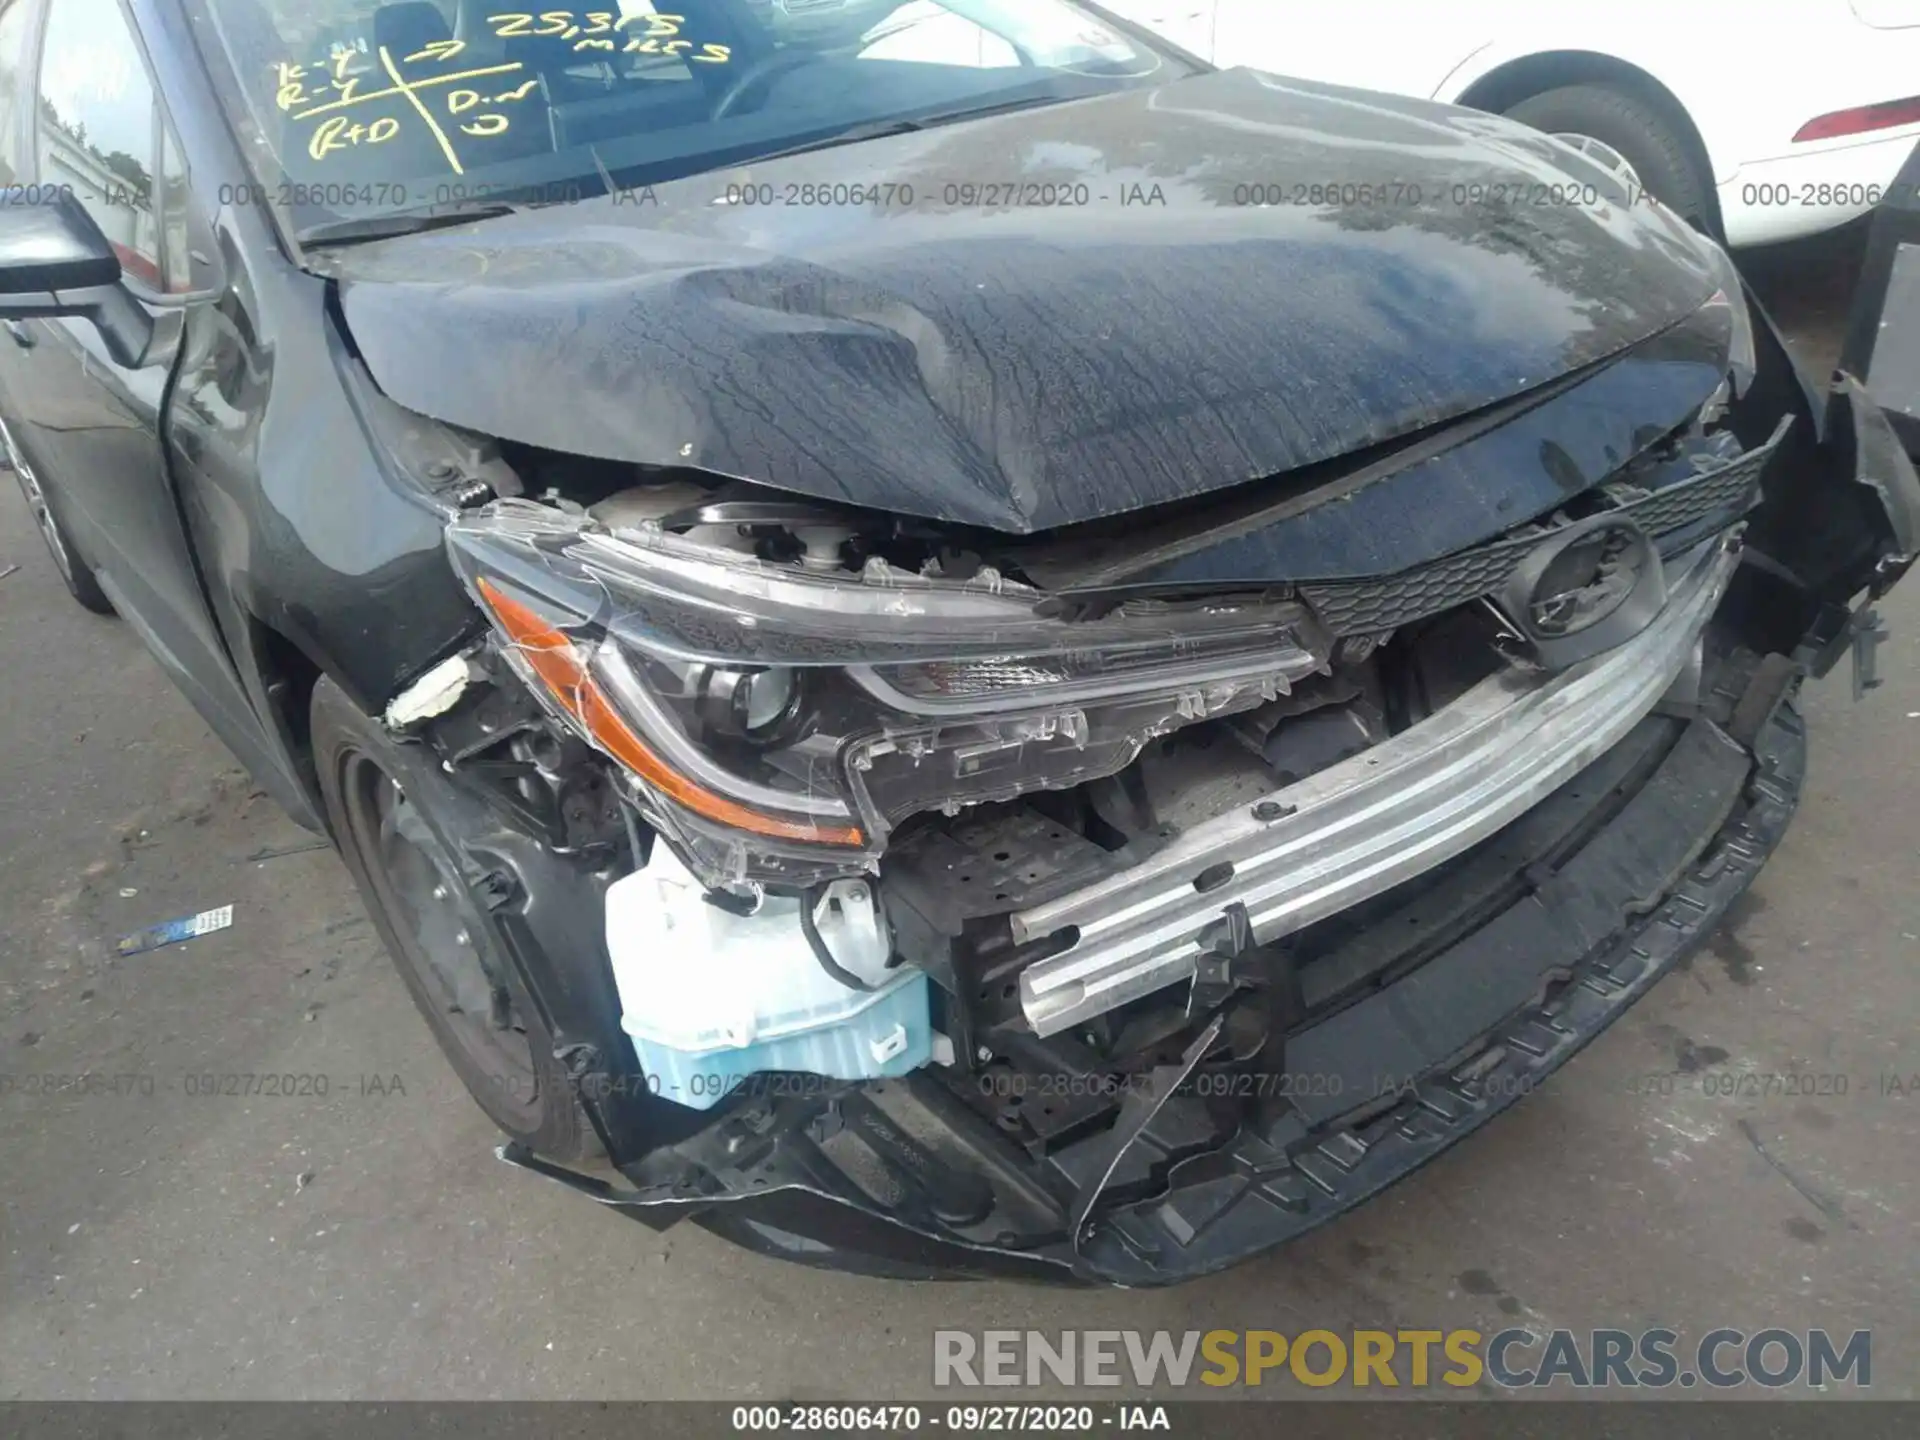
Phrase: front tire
[72,566]
[392,813]
[1640,131]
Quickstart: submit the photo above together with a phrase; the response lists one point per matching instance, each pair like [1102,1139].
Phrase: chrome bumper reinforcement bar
[1365,825]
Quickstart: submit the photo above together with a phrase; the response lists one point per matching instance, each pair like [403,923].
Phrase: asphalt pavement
[344,1230]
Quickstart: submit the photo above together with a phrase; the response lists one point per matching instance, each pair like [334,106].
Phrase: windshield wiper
[880,129]
[852,135]
[384,227]
[357,229]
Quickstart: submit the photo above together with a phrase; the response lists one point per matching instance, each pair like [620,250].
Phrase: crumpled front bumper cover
[1544,934]
[899,1178]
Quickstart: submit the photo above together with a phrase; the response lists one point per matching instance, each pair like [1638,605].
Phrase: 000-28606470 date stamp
[201,1084]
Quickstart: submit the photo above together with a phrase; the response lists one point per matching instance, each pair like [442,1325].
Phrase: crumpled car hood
[1030,366]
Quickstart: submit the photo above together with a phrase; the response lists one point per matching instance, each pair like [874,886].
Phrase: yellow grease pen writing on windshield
[588,31]
[341,129]
[297,95]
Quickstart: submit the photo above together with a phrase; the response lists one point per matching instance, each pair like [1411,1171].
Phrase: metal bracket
[1222,945]
[1870,631]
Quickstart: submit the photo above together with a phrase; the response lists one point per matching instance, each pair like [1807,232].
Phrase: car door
[92,426]
[18,19]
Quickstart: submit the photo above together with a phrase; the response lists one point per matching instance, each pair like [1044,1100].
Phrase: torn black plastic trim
[1881,464]
[1836,519]
[1882,343]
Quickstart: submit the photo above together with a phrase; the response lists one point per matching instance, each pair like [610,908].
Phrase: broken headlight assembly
[779,719]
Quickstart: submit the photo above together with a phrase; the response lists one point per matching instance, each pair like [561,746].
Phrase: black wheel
[388,806]
[1639,131]
[75,573]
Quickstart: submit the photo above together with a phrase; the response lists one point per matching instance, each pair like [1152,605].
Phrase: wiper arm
[384,227]
[880,129]
[853,135]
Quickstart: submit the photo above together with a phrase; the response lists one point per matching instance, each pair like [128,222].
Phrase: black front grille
[1375,606]
[1372,607]
[1732,487]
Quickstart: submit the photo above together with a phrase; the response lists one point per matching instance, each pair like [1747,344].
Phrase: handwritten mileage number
[602,30]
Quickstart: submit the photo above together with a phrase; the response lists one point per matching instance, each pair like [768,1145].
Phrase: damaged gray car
[941,639]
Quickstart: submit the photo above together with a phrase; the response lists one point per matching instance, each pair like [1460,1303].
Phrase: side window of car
[97,129]
[15,21]
[937,35]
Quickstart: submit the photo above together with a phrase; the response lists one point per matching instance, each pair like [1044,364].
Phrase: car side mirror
[54,261]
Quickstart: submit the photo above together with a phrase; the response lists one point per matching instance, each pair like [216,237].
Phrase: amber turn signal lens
[555,659]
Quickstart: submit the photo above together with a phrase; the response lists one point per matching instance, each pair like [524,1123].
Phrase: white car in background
[1766,121]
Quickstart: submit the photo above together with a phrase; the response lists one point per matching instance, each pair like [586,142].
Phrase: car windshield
[357,112]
